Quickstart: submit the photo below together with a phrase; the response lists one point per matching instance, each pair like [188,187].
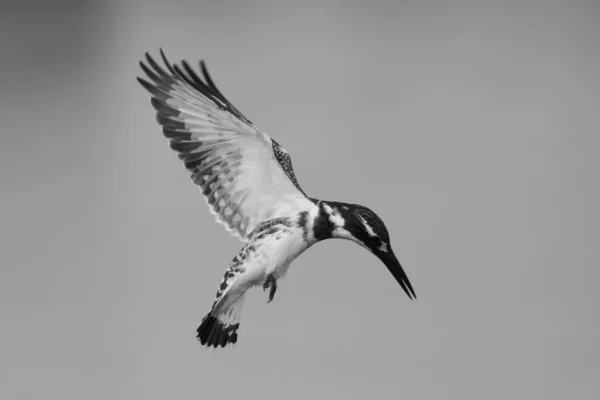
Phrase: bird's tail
[219,327]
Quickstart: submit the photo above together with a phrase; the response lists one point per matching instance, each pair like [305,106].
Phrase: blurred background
[471,128]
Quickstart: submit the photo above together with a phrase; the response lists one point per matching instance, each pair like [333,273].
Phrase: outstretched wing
[245,177]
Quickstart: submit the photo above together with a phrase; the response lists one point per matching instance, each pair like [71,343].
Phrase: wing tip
[187,74]
[146,85]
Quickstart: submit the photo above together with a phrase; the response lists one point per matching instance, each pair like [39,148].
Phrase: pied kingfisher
[249,185]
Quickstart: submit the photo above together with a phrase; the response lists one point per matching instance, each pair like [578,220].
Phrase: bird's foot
[272,283]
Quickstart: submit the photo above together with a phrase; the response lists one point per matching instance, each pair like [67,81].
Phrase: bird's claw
[272,283]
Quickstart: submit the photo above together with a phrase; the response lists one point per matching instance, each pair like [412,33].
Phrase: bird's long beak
[392,263]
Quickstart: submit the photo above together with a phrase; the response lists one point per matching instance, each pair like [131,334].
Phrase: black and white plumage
[249,185]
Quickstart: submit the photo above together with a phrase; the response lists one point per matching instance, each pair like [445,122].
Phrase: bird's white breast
[281,249]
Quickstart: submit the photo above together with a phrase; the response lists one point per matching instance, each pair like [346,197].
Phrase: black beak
[392,263]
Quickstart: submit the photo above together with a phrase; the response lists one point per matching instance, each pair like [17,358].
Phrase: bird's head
[363,226]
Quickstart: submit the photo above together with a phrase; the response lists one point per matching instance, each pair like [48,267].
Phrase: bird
[249,185]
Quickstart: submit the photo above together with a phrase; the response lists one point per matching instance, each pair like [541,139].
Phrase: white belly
[279,253]
[273,256]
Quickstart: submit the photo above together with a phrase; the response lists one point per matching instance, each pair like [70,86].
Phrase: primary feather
[233,163]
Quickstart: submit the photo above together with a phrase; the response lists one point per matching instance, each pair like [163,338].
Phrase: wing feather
[245,177]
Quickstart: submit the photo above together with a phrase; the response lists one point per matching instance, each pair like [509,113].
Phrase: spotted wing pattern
[271,228]
[286,163]
[236,166]
[235,268]
[267,230]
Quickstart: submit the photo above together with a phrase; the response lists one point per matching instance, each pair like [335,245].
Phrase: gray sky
[471,128]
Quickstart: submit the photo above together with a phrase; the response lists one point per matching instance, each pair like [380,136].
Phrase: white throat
[338,222]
